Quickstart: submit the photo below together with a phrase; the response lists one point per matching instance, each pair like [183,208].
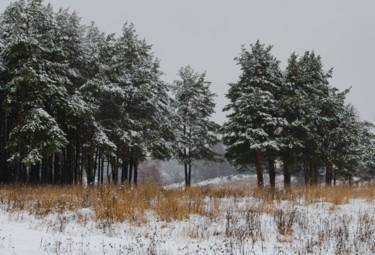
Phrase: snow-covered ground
[244,226]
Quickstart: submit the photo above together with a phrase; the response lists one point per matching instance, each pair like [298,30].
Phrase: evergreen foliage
[254,121]
[195,132]
[76,102]
[297,118]
[77,105]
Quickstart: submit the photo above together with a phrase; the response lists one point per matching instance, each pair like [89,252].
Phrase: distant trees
[296,117]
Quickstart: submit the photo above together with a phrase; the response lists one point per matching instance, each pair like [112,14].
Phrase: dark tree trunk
[34,174]
[23,174]
[186,175]
[311,170]
[259,167]
[108,175]
[329,173]
[334,177]
[131,164]
[306,172]
[287,175]
[314,172]
[82,166]
[3,141]
[57,169]
[69,163]
[272,172]
[45,170]
[96,164]
[350,179]
[116,168]
[189,175]
[102,171]
[135,172]
[89,169]
[124,172]
[76,163]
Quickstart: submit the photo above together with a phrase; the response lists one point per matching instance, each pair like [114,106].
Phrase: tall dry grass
[125,203]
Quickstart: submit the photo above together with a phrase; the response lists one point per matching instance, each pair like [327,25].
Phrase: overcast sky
[208,34]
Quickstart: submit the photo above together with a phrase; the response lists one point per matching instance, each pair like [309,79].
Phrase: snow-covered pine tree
[195,132]
[131,101]
[366,139]
[353,147]
[146,127]
[31,83]
[75,116]
[101,95]
[292,108]
[254,121]
[308,104]
[147,102]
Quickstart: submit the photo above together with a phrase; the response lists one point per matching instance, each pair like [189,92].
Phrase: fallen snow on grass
[233,225]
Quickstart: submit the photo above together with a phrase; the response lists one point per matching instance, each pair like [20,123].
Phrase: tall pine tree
[196,134]
[253,121]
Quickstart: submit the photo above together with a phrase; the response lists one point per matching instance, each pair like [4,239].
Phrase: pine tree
[31,82]
[309,105]
[253,122]
[195,132]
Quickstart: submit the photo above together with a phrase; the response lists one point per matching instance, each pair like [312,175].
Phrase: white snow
[316,228]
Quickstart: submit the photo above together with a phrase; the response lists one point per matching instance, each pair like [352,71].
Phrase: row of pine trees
[81,106]
[296,117]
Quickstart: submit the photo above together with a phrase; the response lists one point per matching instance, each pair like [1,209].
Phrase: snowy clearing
[232,225]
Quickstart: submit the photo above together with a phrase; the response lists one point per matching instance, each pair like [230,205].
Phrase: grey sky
[208,34]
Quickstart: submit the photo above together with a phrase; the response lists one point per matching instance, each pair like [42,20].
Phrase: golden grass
[125,203]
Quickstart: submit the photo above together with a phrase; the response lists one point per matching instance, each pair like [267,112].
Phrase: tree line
[79,105]
[294,116]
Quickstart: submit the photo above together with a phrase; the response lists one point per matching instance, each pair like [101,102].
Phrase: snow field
[233,224]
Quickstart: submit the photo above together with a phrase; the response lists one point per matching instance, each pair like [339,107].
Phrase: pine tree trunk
[311,170]
[259,167]
[57,169]
[96,164]
[186,175]
[3,142]
[189,175]
[45,164]
[328,174]
[306,172]
[124,172]
[102,171]
[108,175]
[89,169]
[272,172]
[135,172]
[53,168]
[131,168]
[287,175]
[315,174]
[334,177]
[116,168]
[82,166]
[76,163]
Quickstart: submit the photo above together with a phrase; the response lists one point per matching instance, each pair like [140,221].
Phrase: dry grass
[124,203]
[245,217]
